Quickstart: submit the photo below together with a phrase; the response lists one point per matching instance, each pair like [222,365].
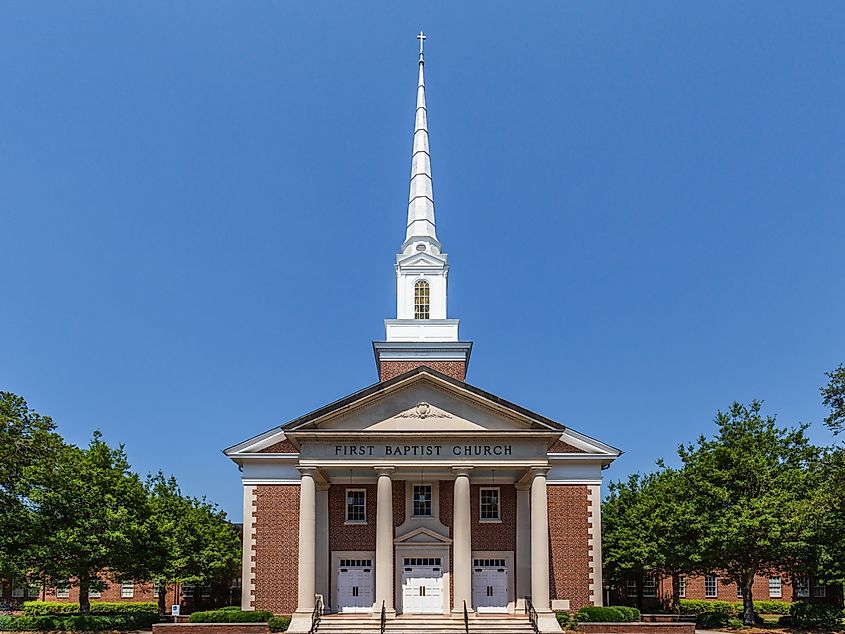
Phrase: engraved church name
[345,451]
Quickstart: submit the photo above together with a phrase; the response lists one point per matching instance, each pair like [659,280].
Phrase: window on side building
[775,587]
[819,590]
[356,506]
[188,591]
[95,594]
[422,500]
[489,500]
[127,589]
[682,586]
[63,590]
[711,586]
[631,588]
[802,587]
[649,587]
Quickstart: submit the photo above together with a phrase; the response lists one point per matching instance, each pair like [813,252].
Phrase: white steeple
[421,334]
[421,227]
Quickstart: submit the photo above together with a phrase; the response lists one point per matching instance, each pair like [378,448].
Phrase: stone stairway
[361,624]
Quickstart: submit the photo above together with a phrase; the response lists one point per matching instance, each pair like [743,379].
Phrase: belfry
[422,498]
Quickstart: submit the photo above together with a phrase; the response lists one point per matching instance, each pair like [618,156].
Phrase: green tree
[27,439]
[201,547]
[751,485]
[833,396]
[649,527]
[94,520]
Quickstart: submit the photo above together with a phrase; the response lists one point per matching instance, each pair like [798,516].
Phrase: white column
[322,543]
[540,551]
[523,545]
[384,543]
[301,621]
[462,542]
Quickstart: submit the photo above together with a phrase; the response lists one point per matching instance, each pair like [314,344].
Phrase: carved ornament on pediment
[423,410]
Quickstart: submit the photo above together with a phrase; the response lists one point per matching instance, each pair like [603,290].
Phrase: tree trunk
[162,595]
[640,593]
[747,599]
[676,593]
[84,600]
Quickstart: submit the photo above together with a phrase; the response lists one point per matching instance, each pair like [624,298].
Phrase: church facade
[422,494]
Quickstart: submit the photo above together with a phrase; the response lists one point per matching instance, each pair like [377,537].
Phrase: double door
[422,585]
[355,585]
[490,585]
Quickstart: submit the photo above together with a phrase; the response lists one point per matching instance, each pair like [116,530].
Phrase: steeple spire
[421,226]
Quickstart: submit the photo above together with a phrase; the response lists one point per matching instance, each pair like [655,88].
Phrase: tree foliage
[833,396]
[200,546]
[95,521]
[751,486]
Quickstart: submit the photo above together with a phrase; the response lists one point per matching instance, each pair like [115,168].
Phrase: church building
[422,498]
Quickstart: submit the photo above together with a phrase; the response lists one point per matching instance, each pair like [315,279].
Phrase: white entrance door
[422,585]
[355,585]
[490,585]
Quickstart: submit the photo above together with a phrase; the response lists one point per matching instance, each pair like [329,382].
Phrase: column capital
[462,470]
[384,470]
[307,471]
[539,471]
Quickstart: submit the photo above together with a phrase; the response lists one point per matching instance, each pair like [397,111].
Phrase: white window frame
[154,590]
[346,501]
[819,591]
[63,590]
[490,520]
[802,587]
[95,594]
[649,587]
[682,586]
[127,589]
[430,500]
[738,591]
[714,583]
[775,588]
[631,588]
[18,590]
[187,591]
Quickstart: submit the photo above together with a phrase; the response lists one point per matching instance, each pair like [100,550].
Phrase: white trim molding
[247,567]
[594,542]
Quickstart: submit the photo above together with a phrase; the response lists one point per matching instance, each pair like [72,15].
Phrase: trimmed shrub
[771,607]
[562,619]
[632,615]
[230,616]
[599,614]
[816,615]
[705,606]
[53,608]
[77,622]
[712,620]
[279,623]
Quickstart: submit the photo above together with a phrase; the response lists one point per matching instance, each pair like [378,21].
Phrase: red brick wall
[275,559]
[570,561]
[344,536]
[564,447]
[727,592]
[398,502]
[455,369]
[285,446]
[210,628]
[494,536]
[636,628]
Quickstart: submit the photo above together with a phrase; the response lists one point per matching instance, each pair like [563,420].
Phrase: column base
[389,613]
[547,623]
[300,622]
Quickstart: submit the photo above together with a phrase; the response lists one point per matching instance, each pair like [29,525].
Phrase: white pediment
[420,260]
[422,536]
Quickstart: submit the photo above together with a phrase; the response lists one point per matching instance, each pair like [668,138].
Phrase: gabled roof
[311,421]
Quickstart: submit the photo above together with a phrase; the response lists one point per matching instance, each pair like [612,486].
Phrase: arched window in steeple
[422,304]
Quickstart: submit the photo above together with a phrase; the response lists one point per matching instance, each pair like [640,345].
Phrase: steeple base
[395,357]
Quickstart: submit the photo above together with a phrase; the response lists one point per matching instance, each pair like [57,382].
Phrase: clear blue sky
[643,205]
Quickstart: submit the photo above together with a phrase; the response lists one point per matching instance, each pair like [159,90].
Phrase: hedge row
[230,616]
[610,614]
[279,623]
[732,609]
[54,608]
[77,622]
[815,615]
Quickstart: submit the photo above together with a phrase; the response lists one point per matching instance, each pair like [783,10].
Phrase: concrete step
[424,625]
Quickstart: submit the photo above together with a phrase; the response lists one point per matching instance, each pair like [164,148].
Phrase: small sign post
[174,611]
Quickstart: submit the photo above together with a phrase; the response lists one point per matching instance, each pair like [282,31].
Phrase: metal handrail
[532,614]
[317,614]
[466,618]
[383,618]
